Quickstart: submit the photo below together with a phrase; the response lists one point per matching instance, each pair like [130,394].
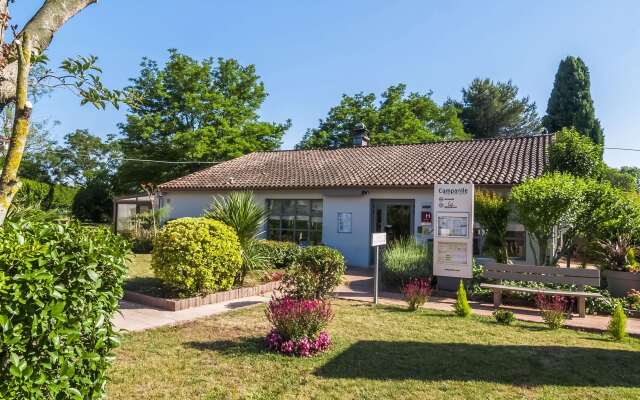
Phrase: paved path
[136,317]
[359,286]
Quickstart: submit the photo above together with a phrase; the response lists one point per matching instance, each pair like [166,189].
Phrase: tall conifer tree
[570,103]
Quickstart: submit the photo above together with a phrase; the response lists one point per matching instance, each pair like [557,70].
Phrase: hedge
[196,256]
[59,287]
[45,195]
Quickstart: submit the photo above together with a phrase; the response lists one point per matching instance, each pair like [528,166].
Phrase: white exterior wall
[355,245]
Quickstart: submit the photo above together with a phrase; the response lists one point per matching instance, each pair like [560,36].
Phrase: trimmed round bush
[196,256]
[317,271]
[59,288]
[280,255]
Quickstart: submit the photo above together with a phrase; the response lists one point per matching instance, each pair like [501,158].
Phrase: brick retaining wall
[183,304]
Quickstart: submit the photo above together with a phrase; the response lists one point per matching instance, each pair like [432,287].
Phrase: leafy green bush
[317,271]
[196,256]
[404,260]
[462,307]
[59,287]
[504,317]
[280,255]
[618,324]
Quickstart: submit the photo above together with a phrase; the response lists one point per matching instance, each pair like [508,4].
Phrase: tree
[633,171]
[192,110]
[576,154]
[549,204]
[570,103]
[491,109]
[492,213]
[86,157]
[398,118]
[27,46]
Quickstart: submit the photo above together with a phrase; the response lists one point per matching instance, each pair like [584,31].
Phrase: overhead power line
[171,162]
[621,148]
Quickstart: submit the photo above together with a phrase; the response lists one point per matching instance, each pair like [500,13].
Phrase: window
[297,221]
[516,244]
[344,222]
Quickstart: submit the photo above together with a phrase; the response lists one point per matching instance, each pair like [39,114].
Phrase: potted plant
[618,258]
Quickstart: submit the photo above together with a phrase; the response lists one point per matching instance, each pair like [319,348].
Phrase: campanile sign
[453,236]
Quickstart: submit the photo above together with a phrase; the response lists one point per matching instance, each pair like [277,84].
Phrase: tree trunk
[9,184]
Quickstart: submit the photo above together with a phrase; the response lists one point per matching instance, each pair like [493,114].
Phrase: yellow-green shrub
[196,256]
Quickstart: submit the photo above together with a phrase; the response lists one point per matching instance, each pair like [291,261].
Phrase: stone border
[213,298]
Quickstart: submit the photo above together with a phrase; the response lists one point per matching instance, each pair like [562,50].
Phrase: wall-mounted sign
[344,222]
[425,217]
[453,239]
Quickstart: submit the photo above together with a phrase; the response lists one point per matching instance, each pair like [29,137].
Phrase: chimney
[360,135]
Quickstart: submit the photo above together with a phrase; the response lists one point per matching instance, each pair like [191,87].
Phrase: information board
[453,238]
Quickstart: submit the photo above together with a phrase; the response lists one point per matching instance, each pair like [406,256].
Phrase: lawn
[379,353]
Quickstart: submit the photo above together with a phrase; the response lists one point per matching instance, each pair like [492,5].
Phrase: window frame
[287,215]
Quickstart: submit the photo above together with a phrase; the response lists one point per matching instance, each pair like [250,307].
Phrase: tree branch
[51,16]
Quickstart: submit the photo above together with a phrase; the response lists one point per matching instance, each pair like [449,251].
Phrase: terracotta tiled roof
[488,161]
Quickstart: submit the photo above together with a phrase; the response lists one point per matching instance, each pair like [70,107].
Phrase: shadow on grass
[506,364]
[242,346]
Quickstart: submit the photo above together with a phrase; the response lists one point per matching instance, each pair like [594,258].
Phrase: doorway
[395,217]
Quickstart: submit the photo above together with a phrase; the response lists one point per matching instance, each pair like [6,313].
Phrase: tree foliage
[570,103]
[398,118]
[576,154]
[543,204]
[193,110]
[490,109]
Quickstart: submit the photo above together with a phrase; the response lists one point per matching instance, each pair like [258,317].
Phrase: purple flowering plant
[298,326]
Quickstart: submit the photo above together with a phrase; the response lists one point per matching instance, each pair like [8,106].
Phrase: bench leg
[581,307]
[497,297]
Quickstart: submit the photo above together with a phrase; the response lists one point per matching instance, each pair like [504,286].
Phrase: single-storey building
[338,197]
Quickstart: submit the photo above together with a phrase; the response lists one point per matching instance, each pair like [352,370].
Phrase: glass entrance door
[395,217]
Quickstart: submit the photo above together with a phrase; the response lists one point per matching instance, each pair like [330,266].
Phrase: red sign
[425,216]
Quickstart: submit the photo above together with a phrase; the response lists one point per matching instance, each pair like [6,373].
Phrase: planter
[619,283]
[183,304]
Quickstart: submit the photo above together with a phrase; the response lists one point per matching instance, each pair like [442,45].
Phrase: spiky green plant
[462,307]
[618,324]
[240,211]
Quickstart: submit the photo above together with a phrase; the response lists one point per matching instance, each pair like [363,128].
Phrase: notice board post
[453,234]
[377,240]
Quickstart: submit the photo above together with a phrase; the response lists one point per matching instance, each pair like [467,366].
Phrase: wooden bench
[514,272]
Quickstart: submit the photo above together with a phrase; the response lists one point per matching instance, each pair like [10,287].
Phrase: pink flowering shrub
[298,326]
[417,292]
[554,309]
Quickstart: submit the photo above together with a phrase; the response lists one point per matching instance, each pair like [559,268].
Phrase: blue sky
[310,52]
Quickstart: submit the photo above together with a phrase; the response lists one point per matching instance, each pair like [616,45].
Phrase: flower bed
[298,326]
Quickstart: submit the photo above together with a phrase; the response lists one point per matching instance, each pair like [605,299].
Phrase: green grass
[379,353]
[142,280]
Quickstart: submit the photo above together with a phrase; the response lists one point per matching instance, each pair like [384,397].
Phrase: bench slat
[533,269]
[567,280]
[533,290]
